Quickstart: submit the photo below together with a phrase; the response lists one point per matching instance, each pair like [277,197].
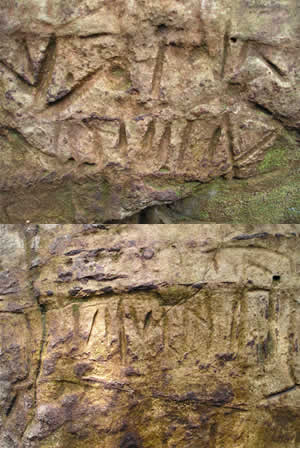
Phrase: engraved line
[273,67]
[122,332]
[164,146]
[184,142]
[158,71]
[225,50]
[256,149]
[149,136]
[46,71]
[281,392]
[230,150]
[92,325]
[12,70]
[122,144]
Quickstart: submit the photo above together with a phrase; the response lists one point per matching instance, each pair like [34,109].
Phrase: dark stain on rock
[65,276]
[89,292]
[130,371]
[8,284]
[228,357]
[102,277]
[148,253]
[95,252]
[74,291]
[251,343]
[93,227]
[267,345]
[49,365]
[260,235]
[130,439]
[73,252]
[145,287]
[222,395]
[107,290]
[81,369]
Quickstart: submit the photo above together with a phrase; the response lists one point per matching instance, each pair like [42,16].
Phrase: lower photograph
[138,335]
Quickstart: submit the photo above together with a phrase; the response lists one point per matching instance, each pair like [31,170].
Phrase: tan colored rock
[151,336]
[131,104]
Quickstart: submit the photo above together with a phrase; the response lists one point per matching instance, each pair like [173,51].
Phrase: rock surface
[108,108]
[149,336]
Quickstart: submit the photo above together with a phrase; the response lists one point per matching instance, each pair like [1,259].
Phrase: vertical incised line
[164,146]
[225,49]
[184,142]
[46,71]
[122,333]
[230,149]
[92,325]
[158,71]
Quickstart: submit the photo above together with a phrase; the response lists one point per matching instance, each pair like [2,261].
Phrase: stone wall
[111,108]
[149,336]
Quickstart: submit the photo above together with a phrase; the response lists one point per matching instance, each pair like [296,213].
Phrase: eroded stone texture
[151,336]
[111,107]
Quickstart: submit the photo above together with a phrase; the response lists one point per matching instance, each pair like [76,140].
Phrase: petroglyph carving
[120,327]
[188,88]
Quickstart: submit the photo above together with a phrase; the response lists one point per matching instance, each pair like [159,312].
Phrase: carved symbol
[158,71]
[227,150]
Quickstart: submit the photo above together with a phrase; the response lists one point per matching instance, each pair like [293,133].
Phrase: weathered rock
[150,336]
[108,108]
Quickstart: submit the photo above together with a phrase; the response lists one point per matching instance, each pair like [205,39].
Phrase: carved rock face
[109,108]
[104,346]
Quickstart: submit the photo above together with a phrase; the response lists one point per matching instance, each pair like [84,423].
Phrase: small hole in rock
[276,278]
[70,77]
[233,39]
[162,27]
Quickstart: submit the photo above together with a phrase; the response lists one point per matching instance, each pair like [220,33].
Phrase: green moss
[276,207]
[75,308]
[269,198]
[274,158]
[203,215]
[120,78]
[105,189]
[180,189]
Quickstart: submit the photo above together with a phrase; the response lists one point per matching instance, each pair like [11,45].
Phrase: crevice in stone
[260,235]
[66,98]
[225,49]
[262,108]
[147,319]
[158,71]
[30,233]
[92,325]
[281,392]
[19,77]
[273,67]
[94,36]
[11,405]
[46,71]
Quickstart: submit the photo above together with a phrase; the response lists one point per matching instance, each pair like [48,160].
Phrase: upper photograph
[150,111]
